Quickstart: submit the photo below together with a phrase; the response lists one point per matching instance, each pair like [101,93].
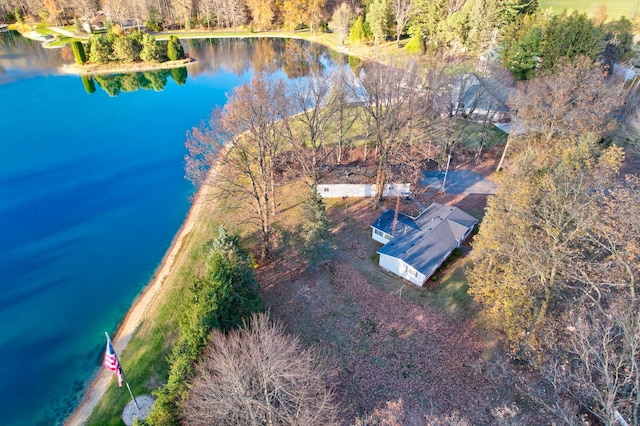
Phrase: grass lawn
[615,8]
[144,360]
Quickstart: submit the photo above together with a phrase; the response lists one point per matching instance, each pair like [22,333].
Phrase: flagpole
[122,372]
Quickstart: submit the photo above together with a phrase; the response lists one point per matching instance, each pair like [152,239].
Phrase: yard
[391,343]
[615,8]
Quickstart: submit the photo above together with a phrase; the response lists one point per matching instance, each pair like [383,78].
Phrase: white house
[415,247]
[479,97]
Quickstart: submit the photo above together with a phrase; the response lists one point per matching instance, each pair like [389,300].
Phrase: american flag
[111,361]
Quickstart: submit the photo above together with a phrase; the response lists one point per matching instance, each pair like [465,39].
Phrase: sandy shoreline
[142,303]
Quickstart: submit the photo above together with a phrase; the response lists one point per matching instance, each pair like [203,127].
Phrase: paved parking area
[459,182]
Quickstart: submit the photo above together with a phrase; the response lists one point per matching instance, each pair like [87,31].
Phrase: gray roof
[385,222]
[425,241]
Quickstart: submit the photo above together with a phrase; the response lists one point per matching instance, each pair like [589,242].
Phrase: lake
[92,192]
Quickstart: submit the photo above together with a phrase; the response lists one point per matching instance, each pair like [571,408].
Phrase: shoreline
[149,294]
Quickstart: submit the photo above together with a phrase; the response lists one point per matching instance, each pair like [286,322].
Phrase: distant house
[480,97]
[96,24]
[419,245]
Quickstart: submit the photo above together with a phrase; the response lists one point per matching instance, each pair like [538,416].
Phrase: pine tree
[78,52]
[152,51]
[100,50]
[379,17]
[175,51]
[315,231]
[357,31]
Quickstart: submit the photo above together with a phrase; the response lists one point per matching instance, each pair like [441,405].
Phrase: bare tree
[346,114]
[206,10]
[341,20]
[259,375]
[402,10]
[250,129]
[575,100]
[393,101]
[307,131]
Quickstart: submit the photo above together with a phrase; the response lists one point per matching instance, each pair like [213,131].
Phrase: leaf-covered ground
[384,349]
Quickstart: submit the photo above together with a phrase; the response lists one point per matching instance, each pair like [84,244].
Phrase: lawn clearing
[615,8]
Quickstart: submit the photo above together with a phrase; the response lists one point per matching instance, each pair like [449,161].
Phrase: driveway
[459,182]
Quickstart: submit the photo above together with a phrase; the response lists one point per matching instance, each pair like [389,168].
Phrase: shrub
[100,50]
[175,50]
[78,52]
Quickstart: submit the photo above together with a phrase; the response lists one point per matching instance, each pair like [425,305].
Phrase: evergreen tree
[357,31]
[175,51]
[522,57]
[423,28]
[78,52]
[571,36]
[224,295]
[125,50]
[379,18]
[19,16]
[100,50]
[483,25]
[315,231]
[152,50]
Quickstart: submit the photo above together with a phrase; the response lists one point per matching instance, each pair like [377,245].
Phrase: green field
[615,8]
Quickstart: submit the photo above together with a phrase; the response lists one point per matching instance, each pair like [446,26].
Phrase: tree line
[126,49]
[268,127]
[523,36]
[556,258]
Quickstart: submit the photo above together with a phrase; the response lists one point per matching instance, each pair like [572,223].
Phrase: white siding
[401,269]
[380,236]
[340,190]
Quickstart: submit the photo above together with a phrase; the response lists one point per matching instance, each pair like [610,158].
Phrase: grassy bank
[145,359]
[615,8]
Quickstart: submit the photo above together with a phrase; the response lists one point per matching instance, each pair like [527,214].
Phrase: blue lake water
[91,195]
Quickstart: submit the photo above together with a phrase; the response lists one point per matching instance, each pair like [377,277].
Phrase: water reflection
[296,58]
[24,58]
[114,84]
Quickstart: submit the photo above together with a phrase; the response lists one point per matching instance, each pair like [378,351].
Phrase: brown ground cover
[383,347]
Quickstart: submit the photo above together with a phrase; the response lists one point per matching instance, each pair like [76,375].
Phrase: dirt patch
[631,163]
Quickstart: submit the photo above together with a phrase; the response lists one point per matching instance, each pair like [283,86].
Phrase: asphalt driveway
[459,182]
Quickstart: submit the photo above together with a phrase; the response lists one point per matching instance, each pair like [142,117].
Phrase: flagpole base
[131,412]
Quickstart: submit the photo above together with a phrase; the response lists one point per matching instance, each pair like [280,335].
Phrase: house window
[378,232]
[412,272]
[325,189]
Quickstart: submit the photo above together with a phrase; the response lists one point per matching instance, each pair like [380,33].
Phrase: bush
[78,52]
[175,50]
[152,51]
